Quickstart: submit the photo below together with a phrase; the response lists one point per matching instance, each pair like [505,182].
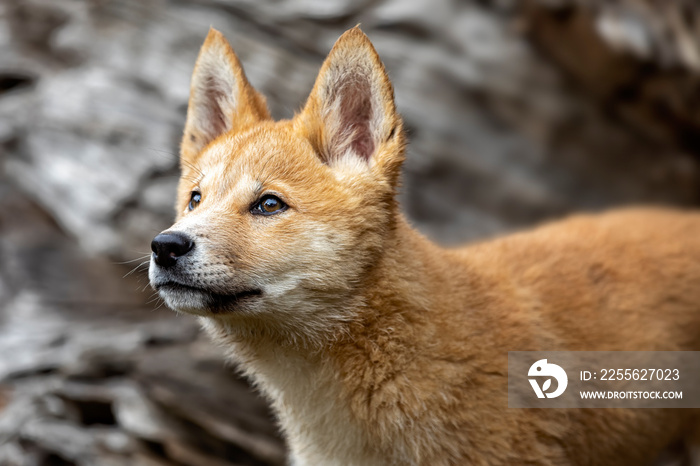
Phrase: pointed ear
[350,115]
[221,98]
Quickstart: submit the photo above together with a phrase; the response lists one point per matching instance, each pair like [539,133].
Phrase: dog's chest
[312,410]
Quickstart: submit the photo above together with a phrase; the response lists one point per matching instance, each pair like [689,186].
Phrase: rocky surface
[518,111]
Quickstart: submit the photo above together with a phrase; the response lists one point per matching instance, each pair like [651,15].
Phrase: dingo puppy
[375,346]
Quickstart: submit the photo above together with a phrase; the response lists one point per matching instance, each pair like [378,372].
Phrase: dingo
[374,345]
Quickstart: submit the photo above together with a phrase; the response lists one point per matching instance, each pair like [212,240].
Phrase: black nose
[167,247]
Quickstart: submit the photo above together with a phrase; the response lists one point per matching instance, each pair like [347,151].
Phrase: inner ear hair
[351,112]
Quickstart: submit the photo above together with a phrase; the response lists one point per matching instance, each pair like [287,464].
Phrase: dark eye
[195,199]
[269,205]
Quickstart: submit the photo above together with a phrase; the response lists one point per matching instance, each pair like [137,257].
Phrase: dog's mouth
[196,299]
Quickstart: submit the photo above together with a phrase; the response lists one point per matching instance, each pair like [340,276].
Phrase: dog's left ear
[350,115]
[221,98]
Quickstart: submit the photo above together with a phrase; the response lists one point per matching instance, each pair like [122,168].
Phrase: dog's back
[627,280]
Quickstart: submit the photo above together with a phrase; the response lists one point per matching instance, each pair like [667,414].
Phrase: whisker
[194,168]
[176,158]
[191,179]
[145,256]
[153,299]
[173,157]
[137,267]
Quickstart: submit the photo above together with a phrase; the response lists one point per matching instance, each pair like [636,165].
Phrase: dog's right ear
[221,98]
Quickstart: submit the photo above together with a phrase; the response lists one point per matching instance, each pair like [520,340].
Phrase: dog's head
[281,216]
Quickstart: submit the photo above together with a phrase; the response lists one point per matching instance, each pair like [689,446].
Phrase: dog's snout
[167,247]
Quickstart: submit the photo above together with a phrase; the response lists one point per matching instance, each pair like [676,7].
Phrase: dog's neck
[308,382]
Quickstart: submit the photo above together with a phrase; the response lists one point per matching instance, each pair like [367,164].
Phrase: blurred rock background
[518,111]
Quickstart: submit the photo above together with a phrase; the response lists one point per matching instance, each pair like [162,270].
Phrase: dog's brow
[200,173]
[258,187]
[200,178]
[260,183]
